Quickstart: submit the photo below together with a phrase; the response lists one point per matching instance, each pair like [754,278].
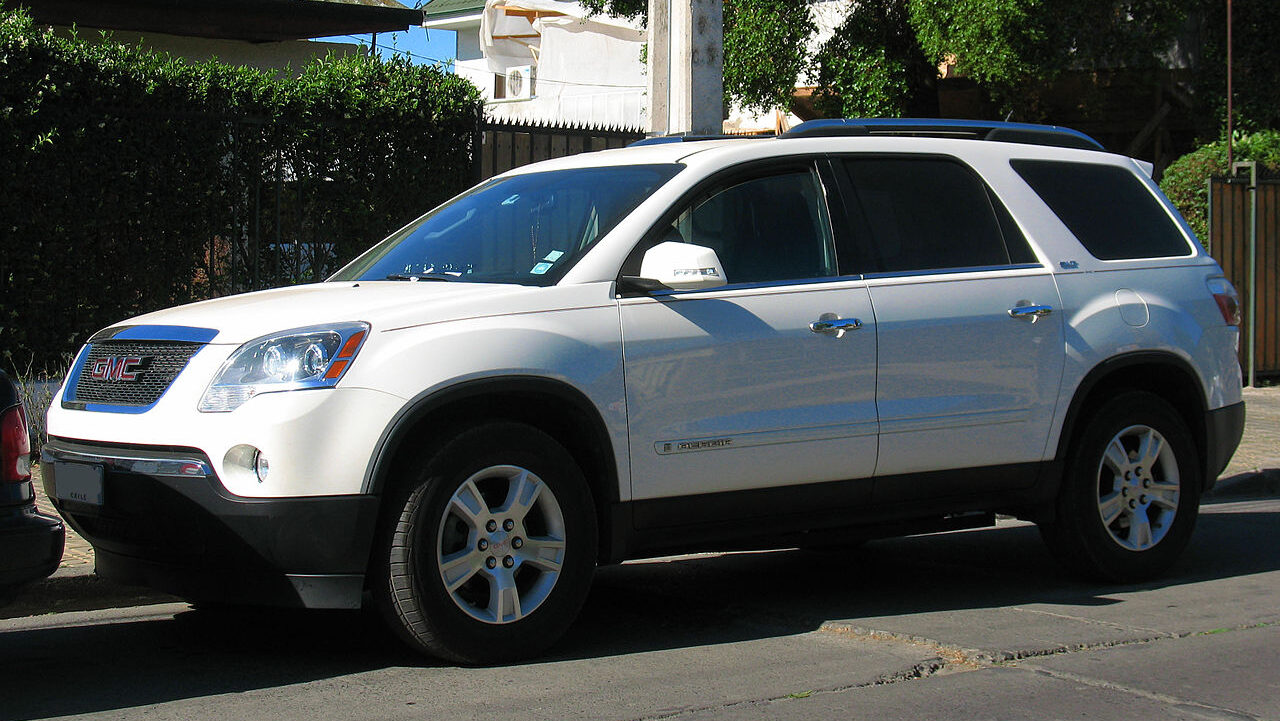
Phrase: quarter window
[1109,210]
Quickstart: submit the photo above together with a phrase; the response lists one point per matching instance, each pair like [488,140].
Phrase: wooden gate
[1232,242]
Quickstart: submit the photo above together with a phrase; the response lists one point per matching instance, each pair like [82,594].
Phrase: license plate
[78,482]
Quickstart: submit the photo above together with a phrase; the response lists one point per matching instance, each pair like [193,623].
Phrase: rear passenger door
[969,328]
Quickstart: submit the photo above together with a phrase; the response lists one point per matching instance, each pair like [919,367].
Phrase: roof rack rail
[691,138]
[1030,134]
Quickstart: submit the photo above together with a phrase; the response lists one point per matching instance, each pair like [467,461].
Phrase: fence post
[477,151]
[1252,167]
[1209,219]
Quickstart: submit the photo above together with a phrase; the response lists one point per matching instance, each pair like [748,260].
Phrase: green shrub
[1186,180]
[136,181]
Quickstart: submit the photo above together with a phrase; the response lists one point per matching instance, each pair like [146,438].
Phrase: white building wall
[586,70]
[590,72]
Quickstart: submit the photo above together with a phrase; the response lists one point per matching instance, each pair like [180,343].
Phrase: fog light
[260,466]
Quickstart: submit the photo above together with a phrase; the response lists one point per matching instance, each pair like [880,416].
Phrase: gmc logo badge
[119,368]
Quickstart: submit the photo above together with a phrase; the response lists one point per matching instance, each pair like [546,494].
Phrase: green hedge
[135,181]
[1186,180]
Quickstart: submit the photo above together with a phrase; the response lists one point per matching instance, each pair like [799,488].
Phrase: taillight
[15,446]
[1227,298]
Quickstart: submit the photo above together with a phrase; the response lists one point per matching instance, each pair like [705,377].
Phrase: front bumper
[168,522]
[31,545]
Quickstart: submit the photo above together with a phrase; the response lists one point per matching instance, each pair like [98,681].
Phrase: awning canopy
[252,20]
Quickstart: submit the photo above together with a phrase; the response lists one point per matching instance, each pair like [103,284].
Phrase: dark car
[30,541]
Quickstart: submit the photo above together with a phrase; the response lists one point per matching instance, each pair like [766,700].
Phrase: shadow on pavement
[1261,483]
[633,608]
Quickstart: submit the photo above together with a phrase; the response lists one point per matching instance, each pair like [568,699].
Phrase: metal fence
[1244,237]
[279,232]
[296,210]
[505,145]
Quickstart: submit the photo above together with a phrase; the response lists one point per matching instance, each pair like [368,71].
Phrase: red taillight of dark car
[15,446]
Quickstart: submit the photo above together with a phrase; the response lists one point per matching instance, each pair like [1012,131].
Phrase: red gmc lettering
[116,369]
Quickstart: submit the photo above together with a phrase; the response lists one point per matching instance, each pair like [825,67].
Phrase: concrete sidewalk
[1254,472]
[1255,468]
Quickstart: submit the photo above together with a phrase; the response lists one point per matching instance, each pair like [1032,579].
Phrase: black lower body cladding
[189,536]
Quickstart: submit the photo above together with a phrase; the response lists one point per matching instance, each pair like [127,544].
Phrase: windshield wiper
[423,276]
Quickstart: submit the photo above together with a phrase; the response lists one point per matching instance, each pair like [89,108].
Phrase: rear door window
[929,213]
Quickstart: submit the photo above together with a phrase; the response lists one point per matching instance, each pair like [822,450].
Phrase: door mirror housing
[681,266]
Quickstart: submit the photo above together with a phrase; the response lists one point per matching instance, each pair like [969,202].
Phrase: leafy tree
[873,66]
[883,58]
[630,9]
[765,50]
[1015,48]
[1256,57]
[764,46]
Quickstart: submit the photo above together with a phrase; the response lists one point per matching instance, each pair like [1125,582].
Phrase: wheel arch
[1160,373]
[552,406]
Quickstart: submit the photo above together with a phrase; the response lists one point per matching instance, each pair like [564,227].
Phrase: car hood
[383,304]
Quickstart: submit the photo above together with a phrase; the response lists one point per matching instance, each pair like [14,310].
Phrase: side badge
[1068,264]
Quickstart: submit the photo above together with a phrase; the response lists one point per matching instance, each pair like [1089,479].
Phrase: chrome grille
[167,359]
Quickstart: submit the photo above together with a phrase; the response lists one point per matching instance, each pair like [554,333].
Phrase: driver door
[729,389]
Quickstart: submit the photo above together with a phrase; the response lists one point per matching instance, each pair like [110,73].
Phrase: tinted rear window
[1110,211]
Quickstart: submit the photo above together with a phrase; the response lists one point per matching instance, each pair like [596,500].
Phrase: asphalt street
[970,625]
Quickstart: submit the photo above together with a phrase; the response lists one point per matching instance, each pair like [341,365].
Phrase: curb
[79,591]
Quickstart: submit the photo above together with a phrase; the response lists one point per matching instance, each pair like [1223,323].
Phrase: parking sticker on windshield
[554,255]
[541,268]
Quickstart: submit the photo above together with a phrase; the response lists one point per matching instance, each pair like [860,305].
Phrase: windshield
[526,229]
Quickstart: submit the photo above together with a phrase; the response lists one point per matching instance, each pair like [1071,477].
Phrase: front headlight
[286,361]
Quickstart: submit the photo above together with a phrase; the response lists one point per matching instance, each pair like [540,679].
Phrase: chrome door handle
[835,326]
[1032,313]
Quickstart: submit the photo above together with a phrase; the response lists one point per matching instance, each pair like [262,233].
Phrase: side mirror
[681,266]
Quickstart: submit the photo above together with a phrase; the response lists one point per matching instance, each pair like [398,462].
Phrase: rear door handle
[1032,313]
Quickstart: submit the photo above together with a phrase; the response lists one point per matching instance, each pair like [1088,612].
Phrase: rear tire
[1130,494]
[488,546]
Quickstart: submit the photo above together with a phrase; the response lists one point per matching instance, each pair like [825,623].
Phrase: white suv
[859,329]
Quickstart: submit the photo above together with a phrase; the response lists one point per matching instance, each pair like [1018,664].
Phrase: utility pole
[686,67]
[1231,156]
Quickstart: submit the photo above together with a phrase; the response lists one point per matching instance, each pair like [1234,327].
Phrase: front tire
[488,548]
[1130,494]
